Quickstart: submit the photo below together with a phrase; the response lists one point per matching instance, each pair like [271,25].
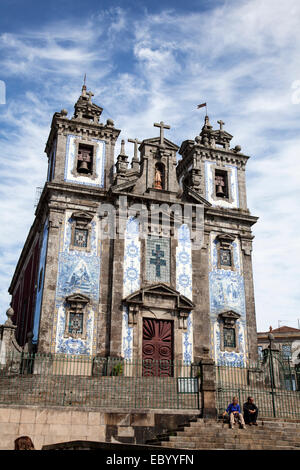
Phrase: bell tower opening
[85,159]
[221,183]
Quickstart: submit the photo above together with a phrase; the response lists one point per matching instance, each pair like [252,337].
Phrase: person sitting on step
[250,412]
[234,411]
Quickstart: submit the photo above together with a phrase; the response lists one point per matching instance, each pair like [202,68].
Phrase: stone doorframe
[162,302]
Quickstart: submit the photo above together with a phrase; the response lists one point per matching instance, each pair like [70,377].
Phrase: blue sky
[153,61]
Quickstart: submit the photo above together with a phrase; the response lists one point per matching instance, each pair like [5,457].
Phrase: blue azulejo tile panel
[227,292]
[131,278]
[184,284]
[70,162]
[158,259]
[127,336]
[209,185]
[184,275]
[78,272]
[229,357]
[187,341]
[69,345]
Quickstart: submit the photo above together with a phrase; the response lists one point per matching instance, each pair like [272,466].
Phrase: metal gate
[273,382]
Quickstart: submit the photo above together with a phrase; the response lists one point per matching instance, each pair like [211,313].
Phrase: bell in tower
[85,157]
[219,180]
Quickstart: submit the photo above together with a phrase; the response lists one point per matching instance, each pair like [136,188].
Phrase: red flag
[201,105]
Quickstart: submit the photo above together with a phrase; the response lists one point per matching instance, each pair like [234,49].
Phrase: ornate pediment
[158,296]
[80,298]
[229,317]
[82,218]
[156,142]
[225,239]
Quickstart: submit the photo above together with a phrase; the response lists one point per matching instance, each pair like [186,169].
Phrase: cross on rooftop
[136,142]
[162,126]
[157,260]
[90,94]
[222,123]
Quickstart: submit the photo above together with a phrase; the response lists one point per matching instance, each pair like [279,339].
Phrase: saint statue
[158,179]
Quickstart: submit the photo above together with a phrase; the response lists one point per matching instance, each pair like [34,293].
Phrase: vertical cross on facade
[157,260]
[222,123]
[136,142]
[162,126]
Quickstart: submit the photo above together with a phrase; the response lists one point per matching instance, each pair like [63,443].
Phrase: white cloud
[241,57]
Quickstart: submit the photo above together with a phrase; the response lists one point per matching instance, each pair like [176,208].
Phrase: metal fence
[272,382]
[98,382]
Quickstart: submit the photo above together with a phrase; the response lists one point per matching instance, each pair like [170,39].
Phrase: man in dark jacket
[250,412]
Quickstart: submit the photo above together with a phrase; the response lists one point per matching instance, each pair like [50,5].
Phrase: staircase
[209,434]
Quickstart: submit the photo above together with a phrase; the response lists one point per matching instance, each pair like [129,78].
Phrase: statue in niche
[158,184]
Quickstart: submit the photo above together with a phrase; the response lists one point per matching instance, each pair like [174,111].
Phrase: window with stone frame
[81,231]
[81,237]
[229,330]
[76,316]
[225,251]
[229,337]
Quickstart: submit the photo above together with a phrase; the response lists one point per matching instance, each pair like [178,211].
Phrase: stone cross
[157,260]
[90,94]
[222,123]
[162,126]
[136,142]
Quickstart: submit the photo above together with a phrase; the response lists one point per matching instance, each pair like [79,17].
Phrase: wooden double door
[157,347]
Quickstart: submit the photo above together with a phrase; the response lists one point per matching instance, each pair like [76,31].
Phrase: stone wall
[48,426]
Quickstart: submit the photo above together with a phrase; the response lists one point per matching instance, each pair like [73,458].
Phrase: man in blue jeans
[234,410]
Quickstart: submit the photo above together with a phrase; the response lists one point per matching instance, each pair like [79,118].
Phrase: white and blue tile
[227,292]
[131,278]
[70,160]
[78,272]
[184,285]
[209,183]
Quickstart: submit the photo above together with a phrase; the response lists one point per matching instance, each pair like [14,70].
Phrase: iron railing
[272,383]
[97,382]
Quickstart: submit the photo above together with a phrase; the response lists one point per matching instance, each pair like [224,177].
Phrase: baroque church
[151,291]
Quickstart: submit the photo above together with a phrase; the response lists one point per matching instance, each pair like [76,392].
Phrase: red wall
[23,297]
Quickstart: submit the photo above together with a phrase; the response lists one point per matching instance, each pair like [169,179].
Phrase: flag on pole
[201,105]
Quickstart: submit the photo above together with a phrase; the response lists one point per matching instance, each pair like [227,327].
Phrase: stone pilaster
[208,386]
[50,281]
[116,298]
[246,246]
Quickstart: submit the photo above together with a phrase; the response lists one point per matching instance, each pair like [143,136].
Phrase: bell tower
[80,150]
[212,169]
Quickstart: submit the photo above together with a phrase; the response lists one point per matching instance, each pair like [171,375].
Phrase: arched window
[159,177]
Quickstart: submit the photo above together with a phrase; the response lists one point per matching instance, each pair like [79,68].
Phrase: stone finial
[237,149]
[110,123]
[9,313]
[122,152]
[64,112]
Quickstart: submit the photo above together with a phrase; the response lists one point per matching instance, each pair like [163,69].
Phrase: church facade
[143,260]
